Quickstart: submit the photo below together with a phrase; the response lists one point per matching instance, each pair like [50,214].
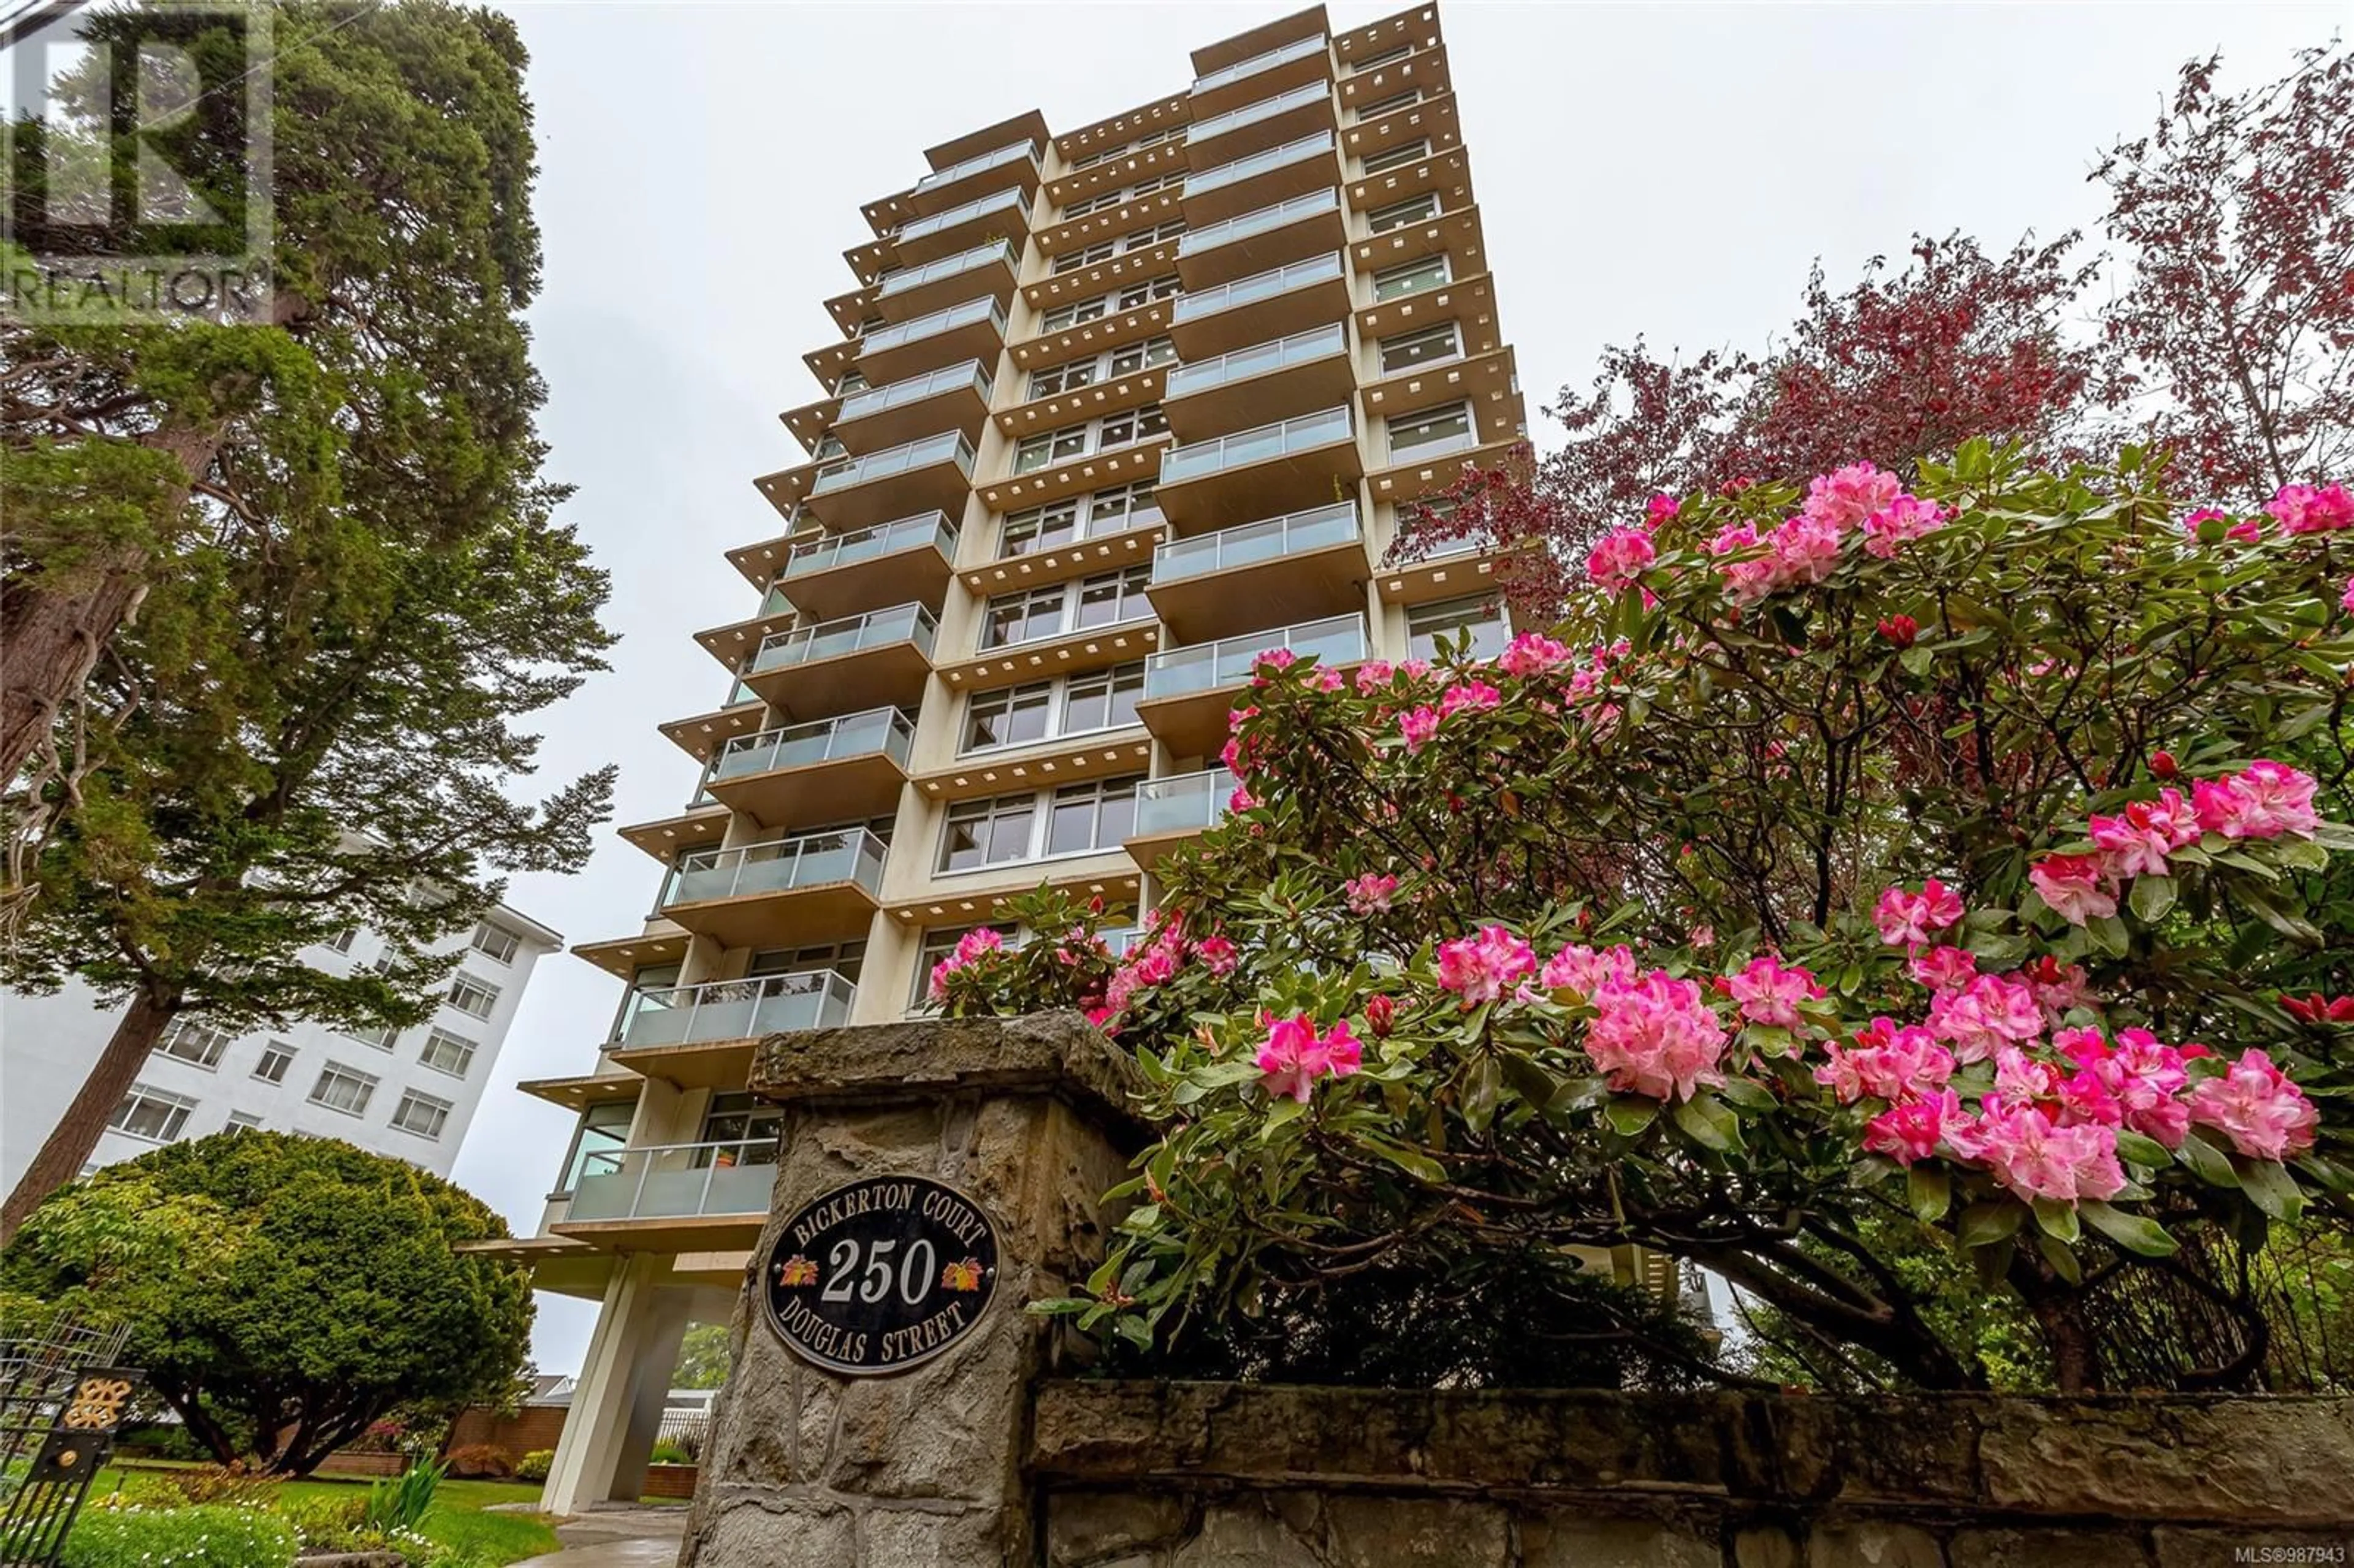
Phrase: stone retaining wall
[1187,1475]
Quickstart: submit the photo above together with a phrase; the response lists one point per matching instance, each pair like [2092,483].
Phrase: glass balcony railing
[885,731]
[872,543]
[976,310]
[1272,539]
[850,634]
[1201,376]
[773,602]
[669,1181]
[1016,200]
[949,446]
[1305,433]
[732,1009]
[1298,48]
[1206,666]
[1258,163]
[914,389]
[1187,803]
[909,278]
[1258,286]
[1118,939]
[1017,153]
[1244,225]
[778,865]
[1251,113]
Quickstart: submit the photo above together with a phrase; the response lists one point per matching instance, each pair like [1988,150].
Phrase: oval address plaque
[882,1274]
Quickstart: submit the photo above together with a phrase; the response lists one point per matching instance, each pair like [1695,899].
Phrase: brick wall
[533,1426]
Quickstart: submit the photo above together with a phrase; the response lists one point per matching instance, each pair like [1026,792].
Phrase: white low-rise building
[410,1093]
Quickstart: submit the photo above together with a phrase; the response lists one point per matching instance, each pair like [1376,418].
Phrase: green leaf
[2209,1163]
[2151,898]
[2110,934]
[1708,1122]
[1283,1113]
[1135,1331]
[2141,1150]
[2062,1261]
[1930,1191]
[2132,1231]
[1916,659]
[2270,1187]
[1412,1162]
[1530,1080]
[1481,1087]
[1630,1114]
[2056,1218]
[1984,1224]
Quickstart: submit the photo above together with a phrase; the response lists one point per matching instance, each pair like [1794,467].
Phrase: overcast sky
[1669,171]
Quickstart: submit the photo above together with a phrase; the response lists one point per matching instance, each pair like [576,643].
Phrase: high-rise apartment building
[1112,410]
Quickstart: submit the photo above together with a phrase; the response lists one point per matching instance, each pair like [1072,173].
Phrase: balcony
[848,767]
[971,330]
[1171,811]
[983,271]
[780,893]
[1265,382]
[843,574]
[1263,179]
[1254,241]
[1298,463]
[961,182]
[952,397]
[703,1036]
[880,659]
[1301,60]
[672,1197]
[933,475]
[1188,691]
[1270,304]
[1000,216]
[1285,116]
[702,825]
[1079,651]
[730,643]
[1213,584]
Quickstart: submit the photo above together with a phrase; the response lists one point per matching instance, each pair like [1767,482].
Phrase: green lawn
[457,1518]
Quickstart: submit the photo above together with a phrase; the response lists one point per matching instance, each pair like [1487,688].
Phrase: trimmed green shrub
[206,1536]
[534,1466]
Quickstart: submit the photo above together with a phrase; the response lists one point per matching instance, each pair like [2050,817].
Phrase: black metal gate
[58,1416]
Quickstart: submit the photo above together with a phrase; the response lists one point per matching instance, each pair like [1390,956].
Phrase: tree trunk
[77,1132]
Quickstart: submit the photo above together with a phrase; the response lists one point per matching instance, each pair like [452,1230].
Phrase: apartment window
[380,1035]
[1132,357]
[1425,347]
[1078,819]
[1042,612]
[1051,447]
[346,1089]
[1121,508]
[1397,157]
[1050,528]
[1039,528]
[1043,710]
[1376,62]
[829,446]
[1075,312]
[1398,214]
[470,995]
[604,1132]
[1426,624]
[1407,99]
[1161,288]
[342,940]
[1113,597]
[447,1052]
[1174,181]
[1432,430]
[1122,360]
[987,833]
[242,1121]
[276,1057]
[151,1114]
[421,1114]
[1092,816]
[741,1119]
[496,942]
[850,381]
[1410,277]
[1106,434]
[195,1044]
[1072,260]
[844,959]
[1064,377]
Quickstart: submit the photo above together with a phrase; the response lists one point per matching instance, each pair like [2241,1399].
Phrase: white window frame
[459,1047]
[171,1122]
[1058,694]
[1452,331]
[341,942]
[1124,360]
[435,1113]
[1397,157]
[338,1074]
[276,1053]
[1129,581]
[1376,62]
[1399,214]
[1425,419]
[1105,433]
[504,945]
[461,981]
[376,1036]
[1109,511]
[242,1121]
[1426,622]
[209,1043]
[1395,101]
[1407,269]
[1039,807]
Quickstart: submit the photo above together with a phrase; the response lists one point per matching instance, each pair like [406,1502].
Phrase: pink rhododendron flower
[1274,659]
[1242,800]
[1903,519]
[2255,1105]
[1533,653]
[1485,966]
[2132,845]
[1660,508]
[2138,1081]
[2241,533]
[1616,561]
[1989,1012]
[2036,1158]
[1910,1130]
[1905,917]
[2264,801]
[1655,1036]
[2057,990]
[1579,969]
[1328,679]
[1887,1061]
[1419,725]
[1944,968]
[1805,550]
[1237,717]
[1470,694]
[2074,886]
[1369,892]
[1217,955]
[2347,603]
[1414,669]
[2021,1079]
[2312,509]
[1372,675]
[1846,497]
[1295,1055]
[968,950]
[1768,991]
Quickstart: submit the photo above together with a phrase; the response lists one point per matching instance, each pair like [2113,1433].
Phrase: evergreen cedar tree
[313,722]
[282,1293]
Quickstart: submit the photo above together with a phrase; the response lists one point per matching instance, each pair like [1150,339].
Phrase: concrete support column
[1026,1117]
[601,1457]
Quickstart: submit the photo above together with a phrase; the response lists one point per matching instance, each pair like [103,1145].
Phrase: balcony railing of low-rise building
[778,865]
[1259,286]
[673,1180]
[732,1009]
[1271,539]
[850,634]
[1212,236]
[1184,802]
[1201,376]
[823,555]
[1014,200]
[1206,666]
[879,731]
[1258,163]
[1251,113]
[1298,48]
[907,278]
[1305,433]
[981,308]
[1013,153]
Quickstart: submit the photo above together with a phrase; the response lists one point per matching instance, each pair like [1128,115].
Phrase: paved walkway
[617,1538]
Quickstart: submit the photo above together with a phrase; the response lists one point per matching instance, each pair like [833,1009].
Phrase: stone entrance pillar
[809,1466]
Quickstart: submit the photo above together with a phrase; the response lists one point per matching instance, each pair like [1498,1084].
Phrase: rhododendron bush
[1855,876]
